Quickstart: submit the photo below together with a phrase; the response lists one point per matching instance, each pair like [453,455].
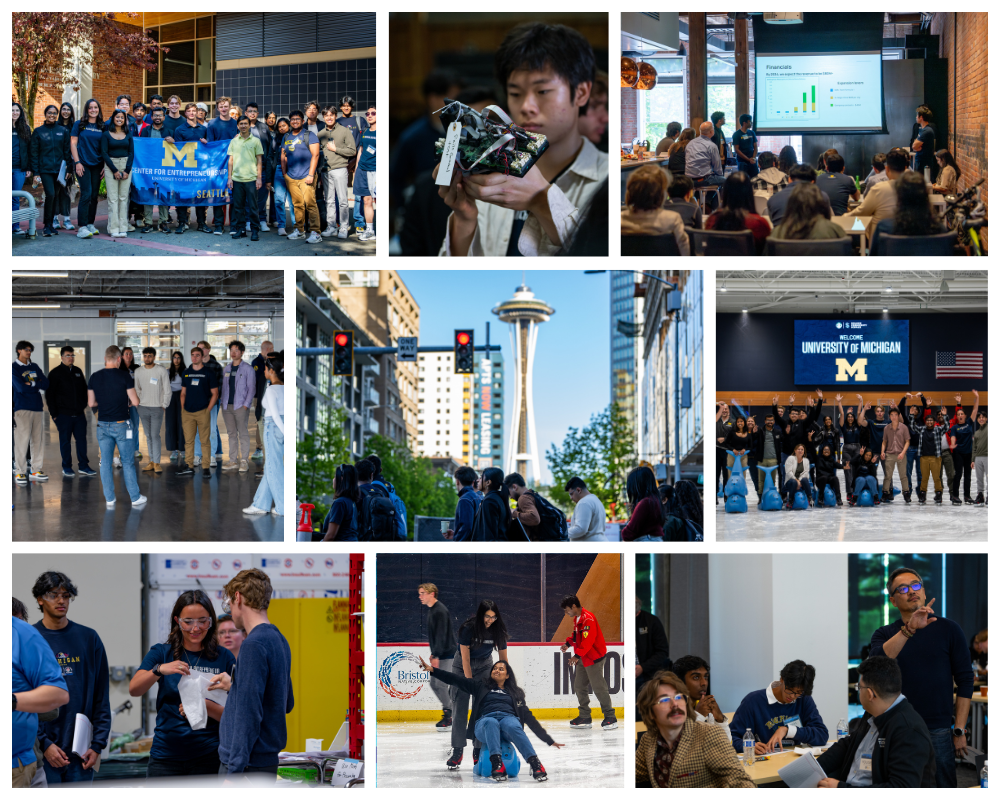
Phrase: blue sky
[572,362]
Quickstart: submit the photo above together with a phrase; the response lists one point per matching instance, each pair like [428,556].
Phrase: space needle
[523,312]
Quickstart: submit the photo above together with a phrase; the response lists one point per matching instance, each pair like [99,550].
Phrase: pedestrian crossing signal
[343,353]
[465,362]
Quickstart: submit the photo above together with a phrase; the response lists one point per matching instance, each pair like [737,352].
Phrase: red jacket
[587,640]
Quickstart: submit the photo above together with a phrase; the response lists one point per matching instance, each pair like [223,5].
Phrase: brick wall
[967,97]
[630,114]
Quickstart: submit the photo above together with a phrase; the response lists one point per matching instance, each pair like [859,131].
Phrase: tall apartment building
[488,413]
[626,363]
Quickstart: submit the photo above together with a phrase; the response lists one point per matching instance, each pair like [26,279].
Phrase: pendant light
[630,73]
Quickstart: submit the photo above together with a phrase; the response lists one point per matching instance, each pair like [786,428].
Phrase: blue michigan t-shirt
[297,153]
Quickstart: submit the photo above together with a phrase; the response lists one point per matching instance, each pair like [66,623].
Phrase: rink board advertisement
[542,671]
[852,352]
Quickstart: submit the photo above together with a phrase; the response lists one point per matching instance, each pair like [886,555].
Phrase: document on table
[816,751]
[802,773]
[83,735]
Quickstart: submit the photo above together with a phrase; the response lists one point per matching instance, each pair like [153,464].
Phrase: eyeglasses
[191,624]
[490,617]
[53,596]
[794,694]
[369,113]
[916,586]
[677,698]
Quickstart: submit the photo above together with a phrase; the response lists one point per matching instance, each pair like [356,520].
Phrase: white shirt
[568,198]
[152,385]
[587,524]
[274,404]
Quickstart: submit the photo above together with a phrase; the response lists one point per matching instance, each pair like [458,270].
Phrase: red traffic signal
[342,339]
[343,352]
[465,363]
[463,337]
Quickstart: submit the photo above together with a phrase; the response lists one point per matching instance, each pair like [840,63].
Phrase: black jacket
[826,468]
[440,635]
[758,442]
[25,162]
[477,689]
[49,148]
[734,442]
[67,392]
[860,469]
[260,384]
[799,433]
[265,136]
[903,756]
[216,368]
[652,650]
[492,519]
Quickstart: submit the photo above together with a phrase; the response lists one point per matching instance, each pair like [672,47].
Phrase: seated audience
[693,670]
[673,131]
[913,215]
[821,165]
[784,710]
[877,175]
[835,183]
[979,651]
[680,198]
[738,212]
[892,747]
[787,158]
[777,203]
[770,180]
[880,202]
[644,214]
[807,216]
[947,180]
[677,752]
[676,155]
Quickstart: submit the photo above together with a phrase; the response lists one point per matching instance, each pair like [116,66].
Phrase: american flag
[958,365]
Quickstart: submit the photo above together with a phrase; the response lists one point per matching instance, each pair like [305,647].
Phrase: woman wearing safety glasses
[192,644]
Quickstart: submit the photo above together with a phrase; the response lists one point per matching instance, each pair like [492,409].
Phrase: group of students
[125,394]
[276,158]
[499,710]
[801,201]
[914,684]
[60,670]
[809,447]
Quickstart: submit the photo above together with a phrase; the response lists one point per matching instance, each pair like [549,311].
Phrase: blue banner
[852,352]
[183,174]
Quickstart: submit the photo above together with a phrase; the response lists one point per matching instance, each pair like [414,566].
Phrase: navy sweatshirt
[80,653]
[439,632]
[222,130]
[465,513]
[29,382]
[764,718]
[934,660]
[963,433]
[252,731]
[88,145]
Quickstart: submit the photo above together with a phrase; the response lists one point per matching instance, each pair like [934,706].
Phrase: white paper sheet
[83,735]
[194,691]
[802,773]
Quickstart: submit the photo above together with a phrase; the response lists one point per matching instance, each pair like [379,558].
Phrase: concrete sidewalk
[190,243]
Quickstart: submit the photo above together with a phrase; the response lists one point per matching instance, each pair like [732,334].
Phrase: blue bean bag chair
[511,762]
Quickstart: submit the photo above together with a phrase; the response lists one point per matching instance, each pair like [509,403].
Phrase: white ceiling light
[17,274]
[45,305]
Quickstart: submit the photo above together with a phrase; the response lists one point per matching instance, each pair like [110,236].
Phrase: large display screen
[818,92]
[831,352]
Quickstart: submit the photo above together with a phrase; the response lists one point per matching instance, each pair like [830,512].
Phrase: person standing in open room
[67,401]
[192,646]
[152,385]
[589,653]
[272,484]
[442,643]
[29,382]
[80,653]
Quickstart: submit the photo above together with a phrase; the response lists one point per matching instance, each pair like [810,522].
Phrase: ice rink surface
[894,521]
[412,755]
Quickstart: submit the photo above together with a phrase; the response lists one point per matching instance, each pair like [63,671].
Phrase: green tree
[426,491]
[317,457]
[601,453]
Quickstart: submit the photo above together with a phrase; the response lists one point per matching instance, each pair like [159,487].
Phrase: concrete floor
[894,521]
[412,755]
[188,509]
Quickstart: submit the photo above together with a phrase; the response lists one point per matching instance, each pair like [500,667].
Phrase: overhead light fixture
[888,290]
[723,289]
[40,274]
[630,73]
[885,310]
[744,311]
[45,305]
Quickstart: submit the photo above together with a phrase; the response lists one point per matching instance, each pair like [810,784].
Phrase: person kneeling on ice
[860,473]
[499,714]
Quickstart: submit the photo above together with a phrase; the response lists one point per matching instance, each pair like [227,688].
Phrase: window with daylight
[252,332]
[139,334]
[188,68]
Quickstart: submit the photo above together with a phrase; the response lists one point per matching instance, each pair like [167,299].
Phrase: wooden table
[847,224]
[763,772]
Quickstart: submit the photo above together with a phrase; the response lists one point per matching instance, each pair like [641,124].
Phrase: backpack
[398,506]
[552,527]
[378,516]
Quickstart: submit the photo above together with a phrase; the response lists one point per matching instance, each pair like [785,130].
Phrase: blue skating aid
[736,504]
[511,762]
[829,498]
[865,499]
[801,502]
[771,500]
[737,483]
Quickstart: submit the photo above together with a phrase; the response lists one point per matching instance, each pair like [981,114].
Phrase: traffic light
[343,352]
[465,362]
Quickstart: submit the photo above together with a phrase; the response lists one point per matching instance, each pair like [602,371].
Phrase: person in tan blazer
[677,752]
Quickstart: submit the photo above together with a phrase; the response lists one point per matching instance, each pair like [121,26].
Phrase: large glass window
[188,69]
[139,334]
[219,333]
[665,102]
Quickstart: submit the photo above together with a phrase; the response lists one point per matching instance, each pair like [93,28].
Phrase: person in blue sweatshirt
[253,729]
[961,433]
[29,382]
[468,505]
[933,655]
[221,129]
[784,710]
[80,653]
[191,131]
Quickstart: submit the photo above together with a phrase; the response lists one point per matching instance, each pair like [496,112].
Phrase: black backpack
[378,516]
[552,527]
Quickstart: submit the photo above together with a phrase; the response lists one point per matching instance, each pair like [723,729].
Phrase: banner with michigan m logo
[182,174]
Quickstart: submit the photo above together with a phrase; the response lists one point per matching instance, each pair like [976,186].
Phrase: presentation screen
[818,92]
[832,352]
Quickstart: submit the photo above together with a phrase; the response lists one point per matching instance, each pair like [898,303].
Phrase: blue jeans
[281,196]
[944,753]
[18,182]
[868,482]
[791,487]
[359,212]
[73,428]
[214,437]
[272,485]
[262,194]
[913,457]
[71,773]
[110,435]
[493,728]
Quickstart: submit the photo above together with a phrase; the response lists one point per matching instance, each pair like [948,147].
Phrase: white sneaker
[231,465]
[296,235]
[366,236]
[264,228]
[68,226]
[197,461]
[342,233]
[254,510]
[118,461]
[131,228]
[110,505]
[140,502]
[282,232]
[276,513]
[314,238]
[330,231]
[248,227]
[84,233]
[244,466]
[93,229]
[123,234]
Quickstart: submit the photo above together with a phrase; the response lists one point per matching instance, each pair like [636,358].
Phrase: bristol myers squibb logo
[397,679]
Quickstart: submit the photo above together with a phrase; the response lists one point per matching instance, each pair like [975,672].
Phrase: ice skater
[499,714]
[589,653]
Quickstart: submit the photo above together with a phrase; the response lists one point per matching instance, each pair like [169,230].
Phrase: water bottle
[842,729]
[927,175]
[983,782]
[748,756]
